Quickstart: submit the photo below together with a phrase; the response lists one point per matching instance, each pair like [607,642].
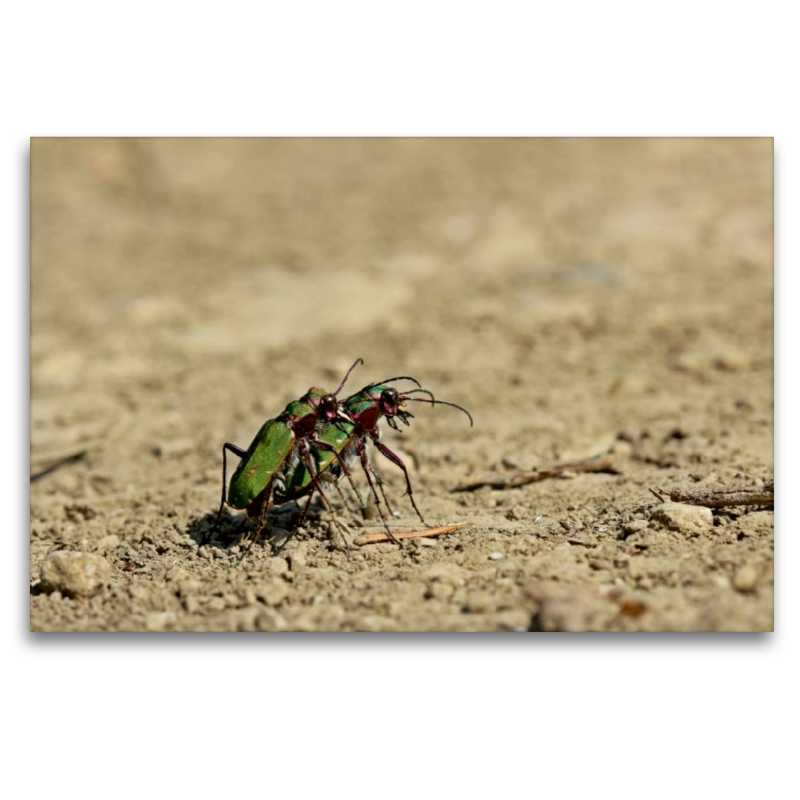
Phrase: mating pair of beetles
[316,439]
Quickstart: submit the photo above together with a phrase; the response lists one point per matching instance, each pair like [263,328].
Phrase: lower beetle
[276,450]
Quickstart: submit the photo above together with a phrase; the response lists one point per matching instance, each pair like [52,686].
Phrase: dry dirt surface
[580,297]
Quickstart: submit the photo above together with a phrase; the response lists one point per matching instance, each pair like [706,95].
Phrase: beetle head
[323,402]
[393,406]
[328,407]
[391,402]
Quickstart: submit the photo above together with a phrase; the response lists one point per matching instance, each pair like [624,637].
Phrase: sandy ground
[579,297]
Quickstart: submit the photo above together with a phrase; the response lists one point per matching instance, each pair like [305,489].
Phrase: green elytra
[298,481]
[276,449]
[268,452]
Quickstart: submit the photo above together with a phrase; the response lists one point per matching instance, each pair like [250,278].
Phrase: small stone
[440,591]
[516,512]
[297,558]
[188,587]
[496,556]
[733,360]
[245,619]
[481,603]
[158,620]
[278,565]
[756,522]
[278,536]
[635,526]
[684,518]
[269,620]
[216,604]
[75,574]
[722,581]
[191,604]
[177,573]
[272,593]
[513,620]
[231,600]
[138,591]
[108,542]
[745,578]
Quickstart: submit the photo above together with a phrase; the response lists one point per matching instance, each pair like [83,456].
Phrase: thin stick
[76,452]
[510,479]
[719,498]
[380,536]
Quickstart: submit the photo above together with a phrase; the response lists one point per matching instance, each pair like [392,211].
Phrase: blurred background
[561,289]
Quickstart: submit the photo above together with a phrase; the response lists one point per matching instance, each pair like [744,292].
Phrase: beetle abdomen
[265,456]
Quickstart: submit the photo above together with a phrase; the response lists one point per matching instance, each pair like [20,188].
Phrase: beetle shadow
[228,530]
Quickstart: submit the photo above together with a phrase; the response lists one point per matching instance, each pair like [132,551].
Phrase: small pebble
[440,591]
[496,556]
[745,578]
[108,542]
[177,573]
[684,518]
[75,574]
[635,526]
[481,603]
[158,621]
[272,593]
[297,558]
[278,565]
[191,604]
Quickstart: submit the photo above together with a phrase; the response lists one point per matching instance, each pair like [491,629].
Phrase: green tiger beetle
[279,447]
[276,450]
[346,440]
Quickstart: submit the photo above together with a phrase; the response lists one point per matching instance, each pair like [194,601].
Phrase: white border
[427,714]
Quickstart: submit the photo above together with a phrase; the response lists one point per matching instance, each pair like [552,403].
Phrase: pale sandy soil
[577,296]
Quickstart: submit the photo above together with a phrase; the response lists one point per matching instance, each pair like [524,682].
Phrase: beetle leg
[362,451]
[238,452]
[306,453]
[379,481]
[330,448]
[387,453]
[262,520]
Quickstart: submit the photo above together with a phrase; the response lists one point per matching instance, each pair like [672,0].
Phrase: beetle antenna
[398,378]
[444,403]
[355,364]
[417,391]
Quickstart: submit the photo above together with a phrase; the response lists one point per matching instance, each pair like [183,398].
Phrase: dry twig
[49,462]
[719,498]
[512,478]
[381,536]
